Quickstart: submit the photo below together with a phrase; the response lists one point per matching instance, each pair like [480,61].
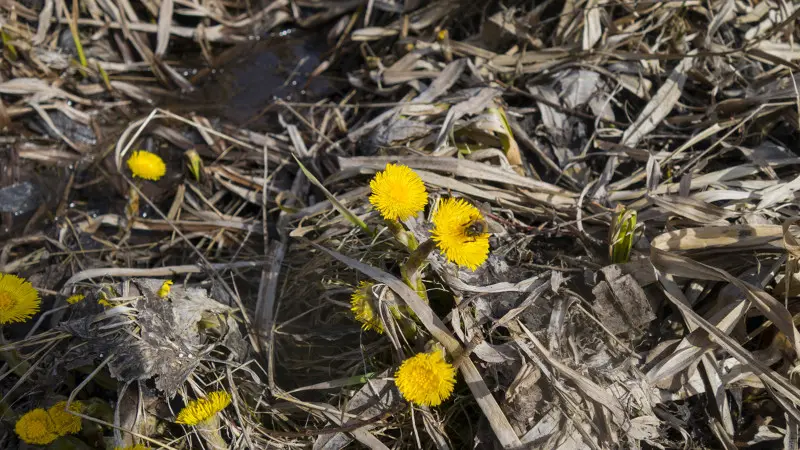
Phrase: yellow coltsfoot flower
[163,291]
[398,192]
[65,423]
[72,299]
[361,304]
[459,231]
[36,427]
[19,301]
[426,379]
[202,409]
[147,165]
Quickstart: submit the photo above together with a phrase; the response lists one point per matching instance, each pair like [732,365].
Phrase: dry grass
[557,120]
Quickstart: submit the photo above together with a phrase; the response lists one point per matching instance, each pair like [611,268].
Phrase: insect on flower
[426,379]
[461,233]
[19,301]
[476,228]
[398,192]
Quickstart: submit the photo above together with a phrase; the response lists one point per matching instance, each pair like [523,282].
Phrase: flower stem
[12,358]
[209,431]
[412,269]
[402,236]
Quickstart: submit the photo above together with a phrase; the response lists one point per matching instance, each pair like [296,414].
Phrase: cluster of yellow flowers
[40,427]
[460,233]
[19,301]
[459,230]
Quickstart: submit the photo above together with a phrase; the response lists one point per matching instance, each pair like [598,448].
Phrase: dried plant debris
[164,339]
[621,270]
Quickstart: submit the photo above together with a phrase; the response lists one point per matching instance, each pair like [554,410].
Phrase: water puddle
[248,77]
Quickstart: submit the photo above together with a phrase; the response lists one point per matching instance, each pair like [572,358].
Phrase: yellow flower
[426,379]
[163,291]
[36,427]
[65,423]
[194,163]
[133,447]
[147,165]
[103,300]
[203,409]
[19,301]
[361,303]
[459,232]
[72,299]
[398,192]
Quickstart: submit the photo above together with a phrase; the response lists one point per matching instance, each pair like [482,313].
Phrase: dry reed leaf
[592,27]
[709,239]
[693,209]
[780,384]
[443,82]
[656,111]
[477,102]
[164,25]
[461,168]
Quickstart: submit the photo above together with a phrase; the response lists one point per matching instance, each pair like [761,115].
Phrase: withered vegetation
[588,327]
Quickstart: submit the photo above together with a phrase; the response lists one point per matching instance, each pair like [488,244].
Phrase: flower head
[103,300]
[19,301]
[147,165]
[64,422]
[459,232]
[361,303]
[72,299]
[426,379]
[398,192]
[36,427]
[163,291]
[203,409]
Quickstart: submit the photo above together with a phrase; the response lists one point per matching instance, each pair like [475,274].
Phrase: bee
[476,227]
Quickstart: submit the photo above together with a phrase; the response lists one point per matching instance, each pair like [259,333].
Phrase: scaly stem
[209,431]
[402,236]
[412,269]
[11,357]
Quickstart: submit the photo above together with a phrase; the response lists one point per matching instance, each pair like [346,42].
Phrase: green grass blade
[336,204]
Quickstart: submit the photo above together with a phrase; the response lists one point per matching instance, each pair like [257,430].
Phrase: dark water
[248,77]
